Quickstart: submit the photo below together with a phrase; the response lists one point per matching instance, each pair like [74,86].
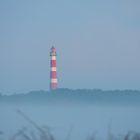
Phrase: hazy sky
[97,42]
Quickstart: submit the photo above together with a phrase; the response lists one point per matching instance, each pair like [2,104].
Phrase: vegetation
[44,133]
[95,96]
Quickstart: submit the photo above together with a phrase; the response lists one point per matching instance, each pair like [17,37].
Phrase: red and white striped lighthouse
[53,73]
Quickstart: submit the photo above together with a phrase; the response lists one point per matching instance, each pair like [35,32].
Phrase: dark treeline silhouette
[96,96]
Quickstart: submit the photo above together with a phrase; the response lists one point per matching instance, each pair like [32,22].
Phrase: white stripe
[54,81]
[53,58]
[53,68]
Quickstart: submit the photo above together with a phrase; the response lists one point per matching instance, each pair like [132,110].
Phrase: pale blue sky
[97,41]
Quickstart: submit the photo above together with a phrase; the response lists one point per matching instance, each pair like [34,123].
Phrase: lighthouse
[53,73]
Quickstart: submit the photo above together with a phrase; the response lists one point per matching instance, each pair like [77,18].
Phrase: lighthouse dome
[53,49]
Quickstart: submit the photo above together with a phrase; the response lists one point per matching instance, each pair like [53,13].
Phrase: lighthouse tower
[53,73]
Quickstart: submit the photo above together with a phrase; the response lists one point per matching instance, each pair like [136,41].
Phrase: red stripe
[53,63]
[53,86]
[53,74]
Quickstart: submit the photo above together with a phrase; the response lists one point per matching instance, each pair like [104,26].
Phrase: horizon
[68,89]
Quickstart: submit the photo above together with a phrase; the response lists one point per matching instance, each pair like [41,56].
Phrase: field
[64,119]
